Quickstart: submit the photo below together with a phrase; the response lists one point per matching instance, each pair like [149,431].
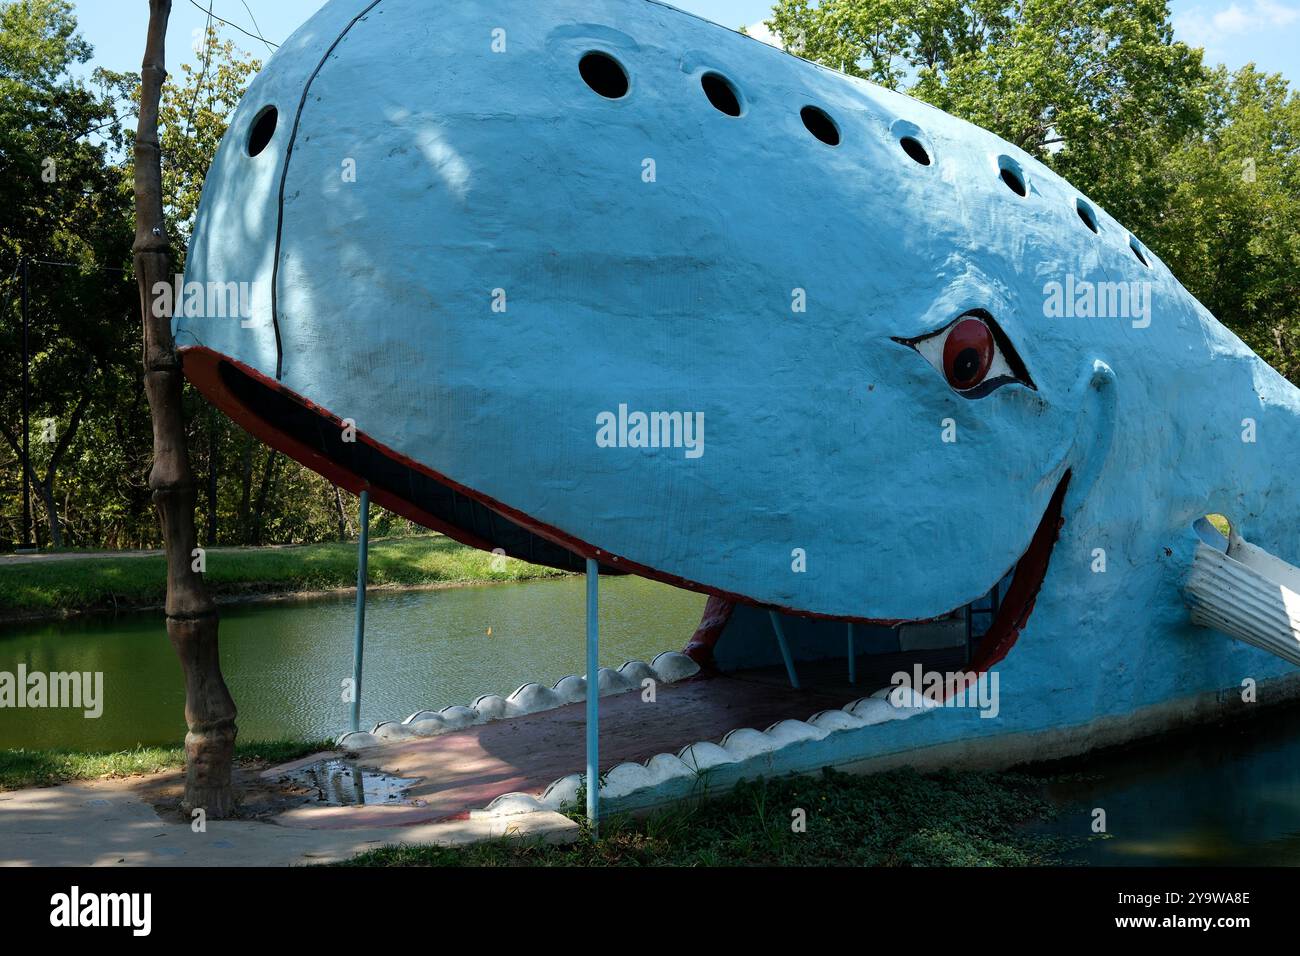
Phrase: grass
[37,588]
[900,818]
[45,768]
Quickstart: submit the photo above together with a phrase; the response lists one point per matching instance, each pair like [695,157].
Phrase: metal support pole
[853,657]
[785,649]
[28,542]
[359,641]
[593,696]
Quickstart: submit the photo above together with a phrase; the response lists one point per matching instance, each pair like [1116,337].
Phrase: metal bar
[853,657]
[359,640]
[28,542]
[593,696]
[785,649]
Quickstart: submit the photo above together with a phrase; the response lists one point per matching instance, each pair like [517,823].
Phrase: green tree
[65,215]
[1231,227]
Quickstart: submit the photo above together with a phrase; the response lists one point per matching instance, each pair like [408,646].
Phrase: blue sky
[1231,31]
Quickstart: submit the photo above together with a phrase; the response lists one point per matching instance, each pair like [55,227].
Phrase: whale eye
[973,354]
[967,354]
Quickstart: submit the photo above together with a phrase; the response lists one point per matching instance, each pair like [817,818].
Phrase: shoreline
[251,597]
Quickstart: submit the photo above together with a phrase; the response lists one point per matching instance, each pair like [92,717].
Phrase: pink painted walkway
[466,769]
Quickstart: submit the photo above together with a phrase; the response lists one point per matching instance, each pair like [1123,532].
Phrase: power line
[235,26]
[203,75]
[255,26]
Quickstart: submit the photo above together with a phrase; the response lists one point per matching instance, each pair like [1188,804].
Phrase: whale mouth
[1026,581]
[972,637]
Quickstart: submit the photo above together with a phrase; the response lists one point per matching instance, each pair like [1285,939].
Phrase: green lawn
[37,587]
[900,818]
[44,768]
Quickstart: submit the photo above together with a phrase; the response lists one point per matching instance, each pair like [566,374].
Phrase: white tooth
[531,698]
[746,742]
[872,710]
[392,730]
[562,791]
[571,689]
[509,804]
[637,671]
[791,731]
[357,740]
[668,766]
[624,779]
[490,707]
[672,666]
[837,720]
[429,727]
[457,717]
[703,754]
[611,681]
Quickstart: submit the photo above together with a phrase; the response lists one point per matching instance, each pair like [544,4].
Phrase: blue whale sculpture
[603,279]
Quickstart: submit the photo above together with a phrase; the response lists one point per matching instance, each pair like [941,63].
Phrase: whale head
[605,280]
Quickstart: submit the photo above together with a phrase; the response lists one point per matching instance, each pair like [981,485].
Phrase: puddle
[340,783]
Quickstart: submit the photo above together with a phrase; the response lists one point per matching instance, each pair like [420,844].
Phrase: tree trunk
[191,614]
[214,449]
[345,529]
[246,490]
[46,492]
[272,458]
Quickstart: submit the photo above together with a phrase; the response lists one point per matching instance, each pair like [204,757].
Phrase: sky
[1235,32]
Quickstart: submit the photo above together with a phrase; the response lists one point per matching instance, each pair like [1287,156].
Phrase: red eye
[968,354]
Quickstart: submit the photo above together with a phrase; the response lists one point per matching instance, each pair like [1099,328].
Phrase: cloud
[1201,27]
[759,31]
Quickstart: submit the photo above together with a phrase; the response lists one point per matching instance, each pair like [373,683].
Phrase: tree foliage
[65,185]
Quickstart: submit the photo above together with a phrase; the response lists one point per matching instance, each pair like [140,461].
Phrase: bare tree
[191,613]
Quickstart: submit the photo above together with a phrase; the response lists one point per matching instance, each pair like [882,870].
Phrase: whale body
[602,279]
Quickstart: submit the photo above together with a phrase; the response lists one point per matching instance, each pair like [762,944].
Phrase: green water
[285,662]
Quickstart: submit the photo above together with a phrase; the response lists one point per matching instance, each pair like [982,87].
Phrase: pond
[1214,796]
[285,661]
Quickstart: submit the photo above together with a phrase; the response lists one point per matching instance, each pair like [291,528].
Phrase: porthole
[1137,251]
[721,93]
[1012,175]
[820,125]
[604,74]
[262,131]
[1086,214]
[913,147]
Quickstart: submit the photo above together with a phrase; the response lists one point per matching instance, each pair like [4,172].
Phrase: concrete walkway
[110,823]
